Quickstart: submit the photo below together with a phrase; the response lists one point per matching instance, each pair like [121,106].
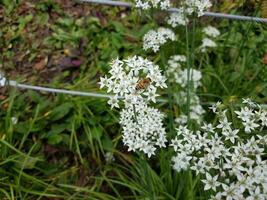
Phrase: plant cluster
[227,153]
[136,80]
[232,166]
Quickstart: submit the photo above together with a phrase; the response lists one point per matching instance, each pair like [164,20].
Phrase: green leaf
[56,129]
[96,132]
[107,144]
[55,139]
[61,111]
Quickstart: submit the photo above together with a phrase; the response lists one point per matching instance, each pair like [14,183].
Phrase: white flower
[181,120]
[211,182]
[177,18]
[263,117]
[126,75]
[208,127]
[176,143]
[198,6]
[103,82]
[256,195]
[250,125]
[148,4]
[153,39]
[223,123]
[211,31]
[142,128]
[181,162]
[245,114]
[249,102]
[207,43]
[179,75]
[113,101]
[199,167]
[149,150]
[240,164]
[230,193]
[215,107]
[230,134]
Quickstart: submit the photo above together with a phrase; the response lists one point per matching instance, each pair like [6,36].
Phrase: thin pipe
[207,14]
[79,93]
[61,91]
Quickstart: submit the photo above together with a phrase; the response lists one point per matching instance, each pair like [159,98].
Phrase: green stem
[190,50]
[170,94]
[135,114]
[188,74]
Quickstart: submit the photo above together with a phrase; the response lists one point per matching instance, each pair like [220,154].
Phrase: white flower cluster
[153,39]
[207,42]
[143,128]
[196,110]
[136,81]
[125,77]
[148,4]
[177,74]
[234,168]
[177,18]
[252,119]
[197,6]
[211,31]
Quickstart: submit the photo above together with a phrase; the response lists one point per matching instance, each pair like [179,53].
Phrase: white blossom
[153,39]
[215,107]
[142,128]
[211,182]
[177,18]
[148,4]
[250,125]
[233,167]
[207,43]
[211,31]
[197,6]
[125,76]
[114,102]
[181,162]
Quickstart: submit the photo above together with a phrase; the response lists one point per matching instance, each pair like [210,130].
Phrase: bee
[142,84]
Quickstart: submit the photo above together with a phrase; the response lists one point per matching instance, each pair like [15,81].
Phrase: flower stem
[135,114]
[190,50]
[170,94]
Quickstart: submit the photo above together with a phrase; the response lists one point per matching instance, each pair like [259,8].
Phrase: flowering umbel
[234,168]
[148,4]
[126,75]
[135,80]
[177,74]
[143,128]
[153,39]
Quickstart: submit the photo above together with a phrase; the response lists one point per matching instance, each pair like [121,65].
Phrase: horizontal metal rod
[207,14]
[63,91]
[87,94]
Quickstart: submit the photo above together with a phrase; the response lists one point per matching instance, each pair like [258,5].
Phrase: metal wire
[87,94]
[207,14]
[54,90]
[63,91]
